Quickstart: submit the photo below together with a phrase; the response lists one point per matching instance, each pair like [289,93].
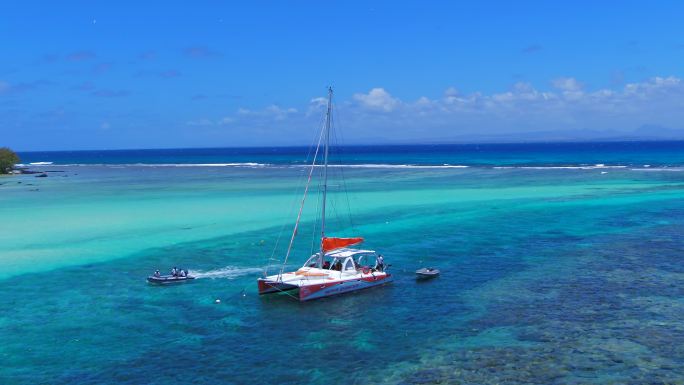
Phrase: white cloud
[567,107]
[277,113]
[316,105]
[318,102]
[377,99]
[244,117]
[523,87]
[657,84]
[570,88]
[272,110]
[423,101]
[567,84]
[451,91]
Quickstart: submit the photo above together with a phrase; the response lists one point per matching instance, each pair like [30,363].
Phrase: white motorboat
[427,272]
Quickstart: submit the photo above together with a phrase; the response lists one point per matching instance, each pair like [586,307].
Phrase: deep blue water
[653,153]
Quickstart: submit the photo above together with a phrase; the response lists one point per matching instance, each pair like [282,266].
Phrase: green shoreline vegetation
[8,159]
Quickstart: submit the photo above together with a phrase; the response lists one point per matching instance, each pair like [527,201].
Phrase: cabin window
[366,260]
[349,265]
[312,262]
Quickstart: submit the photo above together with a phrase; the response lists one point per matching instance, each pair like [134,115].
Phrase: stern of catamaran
[267,285]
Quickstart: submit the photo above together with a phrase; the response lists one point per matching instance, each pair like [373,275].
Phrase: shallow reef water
[616,318]
[549,276]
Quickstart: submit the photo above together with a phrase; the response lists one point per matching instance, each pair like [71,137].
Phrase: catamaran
[335,268]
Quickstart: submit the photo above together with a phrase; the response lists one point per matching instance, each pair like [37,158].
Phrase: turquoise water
[549,275]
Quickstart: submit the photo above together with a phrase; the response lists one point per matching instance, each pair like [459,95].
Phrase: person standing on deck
[380,263]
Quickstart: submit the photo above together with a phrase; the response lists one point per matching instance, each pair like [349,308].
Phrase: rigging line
[301,207]
[333,173]
[344,181]
[316,219]
[337,170]
[292,206]
[340,224]
[318,216]
[282,230]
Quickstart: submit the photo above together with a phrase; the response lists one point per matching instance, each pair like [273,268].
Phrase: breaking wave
[656,169]
[577,167]
[381,165]
[251,165]
[119,165]
[598,166]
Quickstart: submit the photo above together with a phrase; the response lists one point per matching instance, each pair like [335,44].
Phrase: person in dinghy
[176,276]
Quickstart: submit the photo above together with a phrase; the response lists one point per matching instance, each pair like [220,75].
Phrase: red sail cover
[336,243]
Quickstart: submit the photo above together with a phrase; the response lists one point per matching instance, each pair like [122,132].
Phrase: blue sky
[98,75]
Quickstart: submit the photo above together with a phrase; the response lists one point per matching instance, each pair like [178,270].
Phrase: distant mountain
[646,132]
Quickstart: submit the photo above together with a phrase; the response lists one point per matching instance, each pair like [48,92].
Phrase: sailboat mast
[325,166]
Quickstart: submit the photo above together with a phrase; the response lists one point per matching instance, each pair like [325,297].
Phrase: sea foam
[573,167]
[119,165]
[383,165]
[229,272]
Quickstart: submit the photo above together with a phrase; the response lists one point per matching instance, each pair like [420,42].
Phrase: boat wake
[228,272]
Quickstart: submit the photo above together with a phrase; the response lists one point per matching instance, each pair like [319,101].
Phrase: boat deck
[317,283]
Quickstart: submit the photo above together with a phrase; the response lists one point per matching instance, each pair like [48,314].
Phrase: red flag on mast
[336,243]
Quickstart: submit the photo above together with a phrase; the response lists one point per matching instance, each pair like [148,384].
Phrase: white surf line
[229,272]
[252,165]
[382,165]
[259,165]
[580,167]
[656,169]
[118,165]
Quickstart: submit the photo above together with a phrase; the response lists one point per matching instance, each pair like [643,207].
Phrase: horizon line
[465,143]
